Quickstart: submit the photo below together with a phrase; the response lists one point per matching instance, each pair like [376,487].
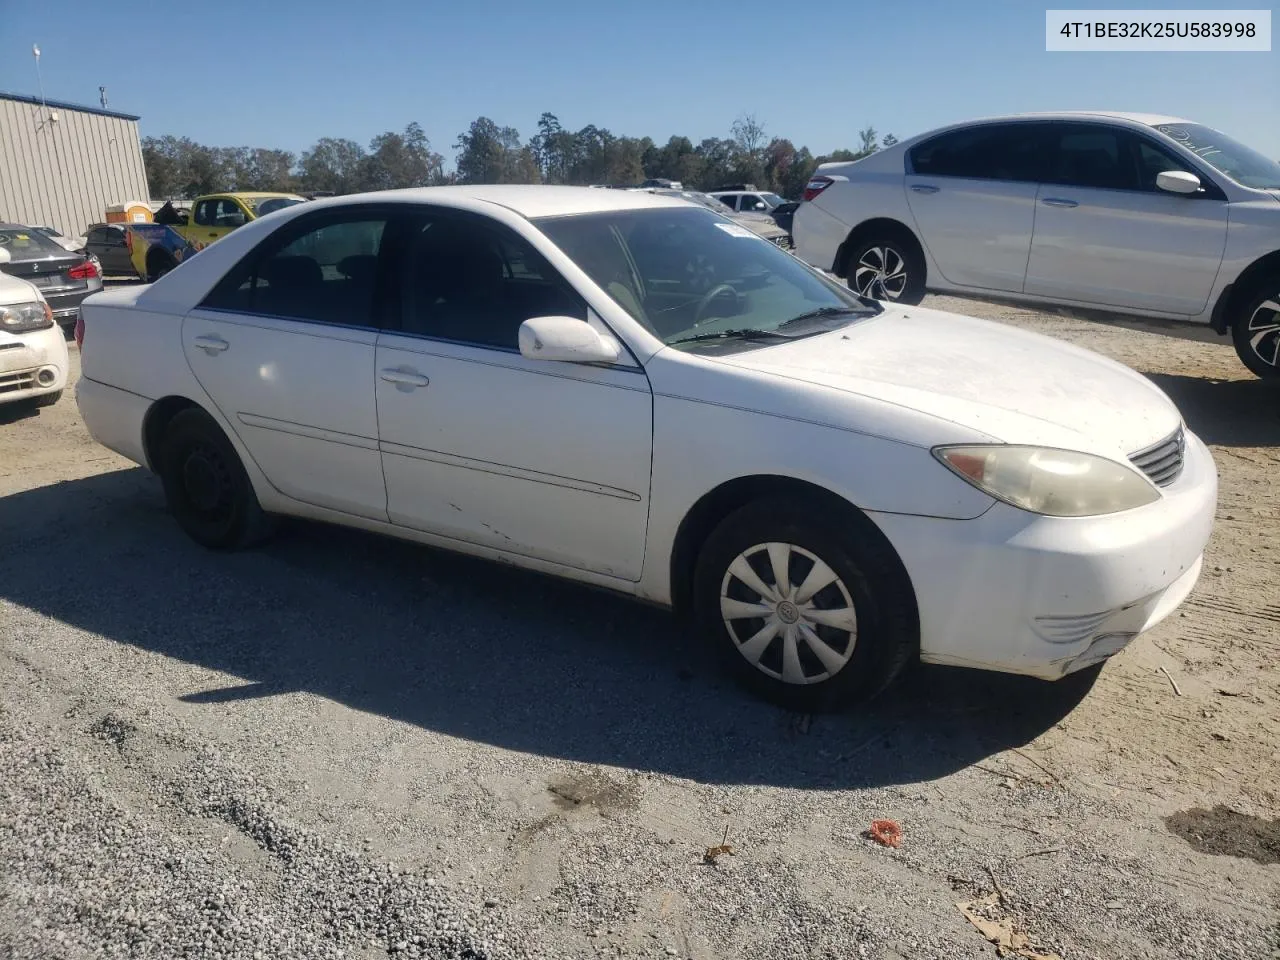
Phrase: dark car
[109,242]
[783,213]
[65,278]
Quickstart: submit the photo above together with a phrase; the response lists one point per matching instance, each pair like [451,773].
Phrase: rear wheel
[206,486]
[805,612]
[886,266]
[1256,330]
[159,262]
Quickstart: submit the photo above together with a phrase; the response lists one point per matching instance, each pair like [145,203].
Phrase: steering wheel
[719,290]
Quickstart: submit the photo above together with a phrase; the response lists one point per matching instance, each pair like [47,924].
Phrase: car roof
[1147,119]
[530,201]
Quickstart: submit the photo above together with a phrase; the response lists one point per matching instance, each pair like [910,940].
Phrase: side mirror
[1178,181]
[4,255]
[566,339]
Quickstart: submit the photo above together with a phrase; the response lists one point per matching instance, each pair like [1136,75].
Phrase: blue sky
[281,73]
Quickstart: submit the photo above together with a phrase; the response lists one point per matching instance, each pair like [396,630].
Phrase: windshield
[1242,164]
[267,204]
[26,244]
[772,199]
[685,272]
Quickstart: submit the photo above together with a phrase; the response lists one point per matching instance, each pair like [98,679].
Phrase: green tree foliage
[489,153]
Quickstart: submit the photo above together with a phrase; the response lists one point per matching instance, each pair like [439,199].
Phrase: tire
[48,399]
[206,486]
[869,593]
[1256,329]
[158,265]
[886,266]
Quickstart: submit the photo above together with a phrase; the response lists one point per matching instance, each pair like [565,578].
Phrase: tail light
[816,186]
[80,328]
[128,241]
[85,271]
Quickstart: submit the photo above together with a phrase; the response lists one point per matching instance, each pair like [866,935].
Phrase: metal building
[62,165]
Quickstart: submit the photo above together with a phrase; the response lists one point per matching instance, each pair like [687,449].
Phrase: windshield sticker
[734,230]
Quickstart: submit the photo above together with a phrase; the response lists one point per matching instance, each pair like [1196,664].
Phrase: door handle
[402,377]
[924,188]
[211,345]
[1059,202]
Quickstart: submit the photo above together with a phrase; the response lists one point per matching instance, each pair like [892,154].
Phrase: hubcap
[881,274]
[788,613]
[1264,332]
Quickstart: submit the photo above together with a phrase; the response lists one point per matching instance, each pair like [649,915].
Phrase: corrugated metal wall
[65,174]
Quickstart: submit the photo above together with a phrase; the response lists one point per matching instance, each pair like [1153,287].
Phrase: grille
[1162,462]
[24,380]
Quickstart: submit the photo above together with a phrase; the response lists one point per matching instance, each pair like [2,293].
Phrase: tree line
[487,153]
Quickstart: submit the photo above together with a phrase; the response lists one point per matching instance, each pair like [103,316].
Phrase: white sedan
[33,348]
[633,391]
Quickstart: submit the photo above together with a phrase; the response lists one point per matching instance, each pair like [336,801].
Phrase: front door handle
[403,377]
[924,188]
[1059,202]
[211,345]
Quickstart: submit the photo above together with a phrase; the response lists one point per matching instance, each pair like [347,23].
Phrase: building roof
[63,105]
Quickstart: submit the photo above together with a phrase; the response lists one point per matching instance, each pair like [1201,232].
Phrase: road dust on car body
[342,745]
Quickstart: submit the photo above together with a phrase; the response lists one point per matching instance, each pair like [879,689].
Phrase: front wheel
[206,486]
[886,267]
[1256,330]
[805,612]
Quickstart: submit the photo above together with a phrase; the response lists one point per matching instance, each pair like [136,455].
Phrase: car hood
[1005,384]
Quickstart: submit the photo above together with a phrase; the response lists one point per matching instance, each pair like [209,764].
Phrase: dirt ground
[356,747]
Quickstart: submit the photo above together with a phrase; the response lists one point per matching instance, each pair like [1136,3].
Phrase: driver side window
[1153,161]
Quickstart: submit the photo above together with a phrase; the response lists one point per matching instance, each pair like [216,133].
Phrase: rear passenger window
[1007,152]
[327,275]
[476,283]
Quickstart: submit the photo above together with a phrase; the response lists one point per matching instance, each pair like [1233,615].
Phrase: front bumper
[33,363]
[1046,596]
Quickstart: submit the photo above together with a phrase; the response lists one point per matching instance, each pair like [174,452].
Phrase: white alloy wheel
[789,614]
[1264,332]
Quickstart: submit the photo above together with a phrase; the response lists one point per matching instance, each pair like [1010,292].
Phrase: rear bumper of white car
[32,364]
[1045,596]
[114,417]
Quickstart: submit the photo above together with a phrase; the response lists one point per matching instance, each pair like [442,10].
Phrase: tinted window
[327,274]
[24,243]
[749,201]
[476,283]
[204,212]
[1008,152]
[1081,155]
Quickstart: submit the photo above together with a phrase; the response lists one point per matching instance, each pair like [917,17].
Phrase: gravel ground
[343,746]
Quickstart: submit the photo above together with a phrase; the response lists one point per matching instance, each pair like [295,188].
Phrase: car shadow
[475,650]
[1228,413]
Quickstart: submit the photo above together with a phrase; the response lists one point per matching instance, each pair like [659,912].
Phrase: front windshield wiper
[825,312]
[745,334]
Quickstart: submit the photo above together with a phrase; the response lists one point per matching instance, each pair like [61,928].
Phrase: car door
[284,346]
[212,219]
[1105,235]
[544,459]
[111,248]
[972,195]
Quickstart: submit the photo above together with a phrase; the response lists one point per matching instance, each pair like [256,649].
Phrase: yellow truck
[217,214]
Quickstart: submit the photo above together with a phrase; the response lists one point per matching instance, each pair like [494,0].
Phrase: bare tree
[749,135]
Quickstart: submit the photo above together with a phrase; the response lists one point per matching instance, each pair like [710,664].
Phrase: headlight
[22,317]
[1056,483]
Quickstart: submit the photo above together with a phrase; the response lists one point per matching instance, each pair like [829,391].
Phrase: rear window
[27,244]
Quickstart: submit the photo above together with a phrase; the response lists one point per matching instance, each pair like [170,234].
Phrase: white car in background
[1120,212]
[636,392]
[33,349]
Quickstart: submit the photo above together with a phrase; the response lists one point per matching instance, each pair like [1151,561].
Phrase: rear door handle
[211,345]
[1059,202]
[924,188]
[403,377]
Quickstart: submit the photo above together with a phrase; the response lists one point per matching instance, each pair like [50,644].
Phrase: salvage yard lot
[343,745]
